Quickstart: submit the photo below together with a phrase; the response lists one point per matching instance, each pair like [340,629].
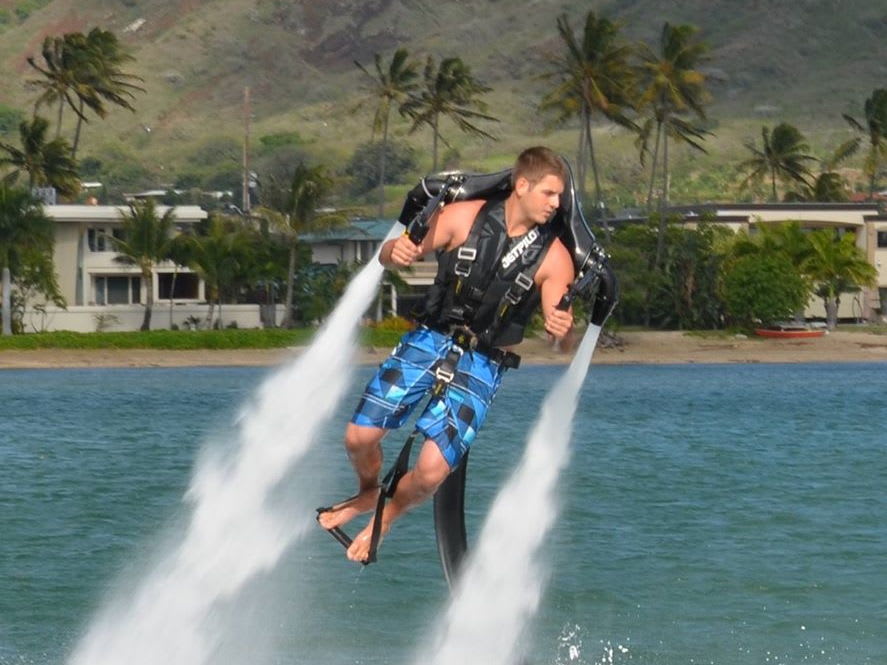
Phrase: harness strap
[444,373]
[387,490]
[466,255]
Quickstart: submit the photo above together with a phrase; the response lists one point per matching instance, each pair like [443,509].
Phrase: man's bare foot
[342,513]
[360,547]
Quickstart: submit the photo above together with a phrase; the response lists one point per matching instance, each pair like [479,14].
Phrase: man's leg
[363,445]
[419,483]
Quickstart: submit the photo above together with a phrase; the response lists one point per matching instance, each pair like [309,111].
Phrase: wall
[129,317]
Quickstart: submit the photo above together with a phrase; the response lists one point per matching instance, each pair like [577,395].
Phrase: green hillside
[771,60]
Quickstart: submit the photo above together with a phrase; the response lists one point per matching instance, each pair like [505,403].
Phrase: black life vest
[488,275]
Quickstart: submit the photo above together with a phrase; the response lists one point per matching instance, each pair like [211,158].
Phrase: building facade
[104,294]
[863,220]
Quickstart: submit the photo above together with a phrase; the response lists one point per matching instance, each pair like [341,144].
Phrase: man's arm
[554,277]
[448,229]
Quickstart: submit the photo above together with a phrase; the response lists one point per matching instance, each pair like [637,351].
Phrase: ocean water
[724,514]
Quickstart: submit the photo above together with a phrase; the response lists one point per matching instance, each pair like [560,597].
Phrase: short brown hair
[537,162]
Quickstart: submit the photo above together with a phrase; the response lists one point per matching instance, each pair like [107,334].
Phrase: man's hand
[404,252]
[559,322]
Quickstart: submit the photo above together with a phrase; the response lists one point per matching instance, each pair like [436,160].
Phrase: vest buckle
[521,285]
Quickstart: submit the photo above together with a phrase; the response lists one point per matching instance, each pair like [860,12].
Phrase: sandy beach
[670,347]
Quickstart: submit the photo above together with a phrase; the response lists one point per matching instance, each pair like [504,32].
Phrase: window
[882,239]
[186,286]
[117,290]
[97,238]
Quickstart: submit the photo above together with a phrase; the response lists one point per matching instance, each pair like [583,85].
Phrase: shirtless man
[511,237]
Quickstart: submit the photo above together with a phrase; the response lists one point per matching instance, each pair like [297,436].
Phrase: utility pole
[246,174]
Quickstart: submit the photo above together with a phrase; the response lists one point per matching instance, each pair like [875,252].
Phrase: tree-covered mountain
[805,62]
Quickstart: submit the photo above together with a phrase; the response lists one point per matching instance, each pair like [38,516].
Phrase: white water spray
[501,586]
[233,535]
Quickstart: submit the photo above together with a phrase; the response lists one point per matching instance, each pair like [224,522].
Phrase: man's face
[541,199]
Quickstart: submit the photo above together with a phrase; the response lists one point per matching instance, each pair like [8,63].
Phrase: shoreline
[637,348]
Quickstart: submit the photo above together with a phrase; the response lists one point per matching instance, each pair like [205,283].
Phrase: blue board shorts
[451,420]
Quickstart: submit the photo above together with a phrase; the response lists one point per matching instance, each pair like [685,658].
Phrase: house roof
[88,213]
[358,229]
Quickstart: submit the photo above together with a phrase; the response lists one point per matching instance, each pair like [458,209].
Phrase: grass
[161,339]
[178,340]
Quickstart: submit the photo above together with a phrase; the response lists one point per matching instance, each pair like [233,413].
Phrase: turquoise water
[711,514]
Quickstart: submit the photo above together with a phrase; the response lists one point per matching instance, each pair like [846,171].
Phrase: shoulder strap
[466,254]
[523,283]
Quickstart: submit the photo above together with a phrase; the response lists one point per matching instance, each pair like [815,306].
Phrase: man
[497,263]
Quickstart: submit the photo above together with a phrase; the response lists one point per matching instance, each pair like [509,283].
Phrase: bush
[386,332]
[271,142]
[393,323]
[763,288]
[363,167]
[10,118]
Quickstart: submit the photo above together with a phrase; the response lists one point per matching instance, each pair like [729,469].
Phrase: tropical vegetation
[658,95]
[390,86]
[293,209]
[835,265]
[781,157]
[146,240]
[26,245]
[45,162]
[593,76]
[874,127]
[83,72]
[448,91]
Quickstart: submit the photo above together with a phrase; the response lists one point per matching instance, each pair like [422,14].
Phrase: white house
[104,294]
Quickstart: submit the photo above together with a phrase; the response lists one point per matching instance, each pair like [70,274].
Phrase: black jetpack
[594,283]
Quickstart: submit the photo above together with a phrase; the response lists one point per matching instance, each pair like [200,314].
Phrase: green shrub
[396,324]
[400,160]
[271,142]
[763,288]
[10,118]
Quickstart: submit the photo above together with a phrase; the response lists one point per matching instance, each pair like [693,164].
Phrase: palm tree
[594,77]
[99,76]
[146,241]
[836,265]
[26,236]
[179,251]
[58,77]
[781,157]
[390,86]
[874,127]
[450,91]
[82,72]
[213,254]
[673,86]
[829,185]
[47,163]
[294,209]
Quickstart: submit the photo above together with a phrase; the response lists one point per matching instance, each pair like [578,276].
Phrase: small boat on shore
[790,331]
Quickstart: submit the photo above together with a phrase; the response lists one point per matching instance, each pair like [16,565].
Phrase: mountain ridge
[770,60]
